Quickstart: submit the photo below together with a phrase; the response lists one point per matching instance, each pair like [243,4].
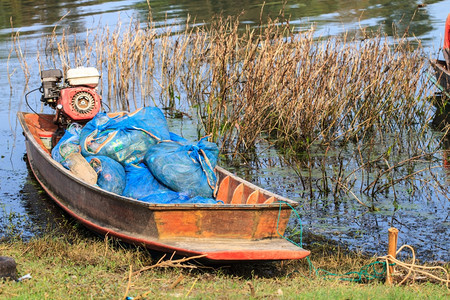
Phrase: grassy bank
[74,267]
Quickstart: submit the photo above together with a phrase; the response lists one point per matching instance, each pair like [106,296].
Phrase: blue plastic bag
[111,174]
[124,137]
[167,197]
[68,144]
[176,138]
[185,168]
[141,183]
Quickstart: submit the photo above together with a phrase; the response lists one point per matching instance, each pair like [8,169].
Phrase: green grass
[89,268]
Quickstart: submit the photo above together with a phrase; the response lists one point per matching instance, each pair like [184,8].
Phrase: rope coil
[369,272]
[413,268]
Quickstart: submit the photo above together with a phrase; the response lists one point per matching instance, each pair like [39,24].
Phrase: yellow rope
[413,268]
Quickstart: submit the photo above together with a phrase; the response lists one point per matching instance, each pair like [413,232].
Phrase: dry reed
[255,83]
[292,88]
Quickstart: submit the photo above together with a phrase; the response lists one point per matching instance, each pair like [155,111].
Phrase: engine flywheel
[83,102]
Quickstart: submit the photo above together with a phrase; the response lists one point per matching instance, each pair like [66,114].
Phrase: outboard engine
[75,100]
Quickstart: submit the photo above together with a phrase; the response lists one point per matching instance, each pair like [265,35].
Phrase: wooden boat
[248,227]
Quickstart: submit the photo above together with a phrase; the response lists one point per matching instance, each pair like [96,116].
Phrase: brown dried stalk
[246,84]
[171,263]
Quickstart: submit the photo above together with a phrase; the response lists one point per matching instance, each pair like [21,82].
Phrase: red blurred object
[447,33]
[446,162]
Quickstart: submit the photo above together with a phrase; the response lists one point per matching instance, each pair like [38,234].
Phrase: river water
[25,209]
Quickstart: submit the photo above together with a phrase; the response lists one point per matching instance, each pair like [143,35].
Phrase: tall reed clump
[245,84]
[298,89]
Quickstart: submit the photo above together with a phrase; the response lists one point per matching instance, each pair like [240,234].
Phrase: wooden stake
[392,250]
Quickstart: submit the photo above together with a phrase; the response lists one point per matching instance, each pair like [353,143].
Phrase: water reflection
[24,208]
[38,17]
[330,16]
[37,213]
[328,211]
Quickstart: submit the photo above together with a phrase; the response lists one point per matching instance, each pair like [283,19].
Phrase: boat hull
[222,233]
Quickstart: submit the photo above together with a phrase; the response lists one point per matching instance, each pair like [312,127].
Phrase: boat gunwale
[279,248]
[156,206]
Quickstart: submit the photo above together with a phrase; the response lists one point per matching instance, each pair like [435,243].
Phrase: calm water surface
[423,223]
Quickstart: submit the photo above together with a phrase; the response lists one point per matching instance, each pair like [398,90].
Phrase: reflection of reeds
[247,84]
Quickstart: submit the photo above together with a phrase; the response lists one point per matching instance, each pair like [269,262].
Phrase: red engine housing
[79,103]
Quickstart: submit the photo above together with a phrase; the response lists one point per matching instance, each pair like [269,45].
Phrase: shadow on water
[441,119]
[41,214]
[441,122]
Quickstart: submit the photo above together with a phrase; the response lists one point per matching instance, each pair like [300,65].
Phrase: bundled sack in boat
[68,144]
[140,182]
[186,168]
[176,138]
[110,173]
[141,185]
[171,197]
[124,137]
